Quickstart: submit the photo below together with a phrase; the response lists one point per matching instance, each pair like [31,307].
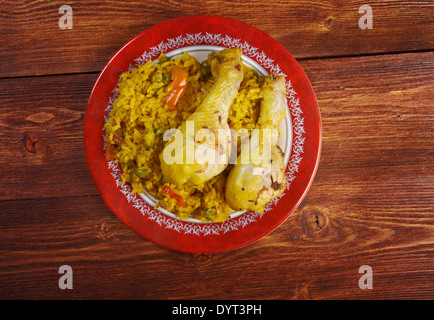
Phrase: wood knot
[302,293]
[314,221]
[328,23]
[201,258]
[40,117]
[103,232]
[31,143]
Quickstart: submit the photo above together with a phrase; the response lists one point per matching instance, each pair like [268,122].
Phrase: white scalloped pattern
[204,229]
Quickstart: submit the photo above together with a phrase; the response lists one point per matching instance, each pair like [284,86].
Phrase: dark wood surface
[371,203]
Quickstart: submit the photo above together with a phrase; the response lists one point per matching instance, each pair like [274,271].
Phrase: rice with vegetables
[143,112]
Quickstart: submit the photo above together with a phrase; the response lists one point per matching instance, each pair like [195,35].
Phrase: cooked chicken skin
[251,186]
[209,117]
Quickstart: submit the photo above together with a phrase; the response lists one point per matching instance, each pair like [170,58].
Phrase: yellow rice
[139,118]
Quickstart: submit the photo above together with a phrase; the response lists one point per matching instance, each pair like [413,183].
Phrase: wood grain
[49,110]
[110,261]
[35,45]
[371,202]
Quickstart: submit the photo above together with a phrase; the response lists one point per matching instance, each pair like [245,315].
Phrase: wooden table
[371,203]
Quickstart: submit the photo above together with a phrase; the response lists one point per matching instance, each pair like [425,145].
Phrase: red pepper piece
[165,188]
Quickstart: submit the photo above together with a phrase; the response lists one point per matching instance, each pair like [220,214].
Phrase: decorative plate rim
[293,104]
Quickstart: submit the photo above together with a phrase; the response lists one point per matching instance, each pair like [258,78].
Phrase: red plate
[304,136]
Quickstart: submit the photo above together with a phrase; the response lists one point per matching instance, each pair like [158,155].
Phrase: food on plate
[251,185]
[211,117]
[159,99]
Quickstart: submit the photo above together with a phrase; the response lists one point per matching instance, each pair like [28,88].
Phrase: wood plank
[42,137]
[299,260]
[376,113]
[35,45]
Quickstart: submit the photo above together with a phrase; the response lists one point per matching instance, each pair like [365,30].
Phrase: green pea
[157,77]
[162,58]
[205,68]
[209,213]
[134,177]
[166,78]
[140,172]
[160,131]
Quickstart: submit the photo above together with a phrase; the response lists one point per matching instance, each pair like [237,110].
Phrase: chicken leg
[251,185]
[211,118]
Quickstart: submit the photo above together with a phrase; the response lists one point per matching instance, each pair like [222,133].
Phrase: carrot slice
[179,80]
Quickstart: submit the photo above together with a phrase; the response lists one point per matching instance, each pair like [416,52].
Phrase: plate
[300,133]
